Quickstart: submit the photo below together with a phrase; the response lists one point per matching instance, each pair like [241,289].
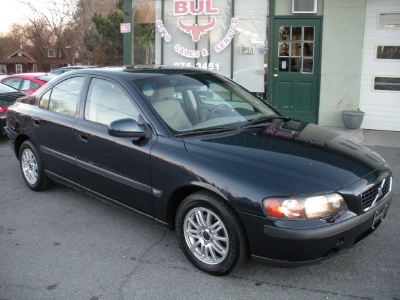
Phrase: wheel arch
[18,142]
[180,194]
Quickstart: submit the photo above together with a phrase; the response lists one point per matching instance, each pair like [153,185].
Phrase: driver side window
[106,102]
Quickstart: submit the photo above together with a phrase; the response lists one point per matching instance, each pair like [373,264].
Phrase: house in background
[30,59]
[20,61]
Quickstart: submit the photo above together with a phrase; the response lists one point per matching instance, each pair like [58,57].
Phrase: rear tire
[210,233]
[32,168]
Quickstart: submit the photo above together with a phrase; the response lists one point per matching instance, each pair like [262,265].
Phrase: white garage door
[380,87]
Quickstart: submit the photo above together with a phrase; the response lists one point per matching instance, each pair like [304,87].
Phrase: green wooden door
[296,53]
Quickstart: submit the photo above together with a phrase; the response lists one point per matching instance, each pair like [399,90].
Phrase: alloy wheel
[29,166]
[206,235]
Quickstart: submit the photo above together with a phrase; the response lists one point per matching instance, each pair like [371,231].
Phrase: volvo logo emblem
[380,192]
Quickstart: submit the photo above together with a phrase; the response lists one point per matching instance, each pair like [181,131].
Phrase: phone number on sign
[209,66]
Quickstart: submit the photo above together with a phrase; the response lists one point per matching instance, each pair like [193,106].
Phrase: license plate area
[378,217]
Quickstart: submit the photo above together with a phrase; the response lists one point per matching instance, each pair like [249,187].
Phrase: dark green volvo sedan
[200,155]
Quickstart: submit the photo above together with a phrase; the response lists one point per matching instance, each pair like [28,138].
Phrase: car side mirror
[129,128]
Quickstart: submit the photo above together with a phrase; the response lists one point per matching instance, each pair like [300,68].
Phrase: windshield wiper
[264,119]
[206,130]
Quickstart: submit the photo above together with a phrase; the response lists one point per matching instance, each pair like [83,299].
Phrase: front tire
[32,168]
[210,234]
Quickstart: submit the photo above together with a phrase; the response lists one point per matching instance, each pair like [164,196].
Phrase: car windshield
[196,103]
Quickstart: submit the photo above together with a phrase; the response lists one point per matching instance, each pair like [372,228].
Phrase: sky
[14,11]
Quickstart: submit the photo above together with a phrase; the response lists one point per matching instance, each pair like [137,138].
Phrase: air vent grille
[304,6]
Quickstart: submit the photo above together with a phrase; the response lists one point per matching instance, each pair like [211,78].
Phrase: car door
[115,167]
[51,124]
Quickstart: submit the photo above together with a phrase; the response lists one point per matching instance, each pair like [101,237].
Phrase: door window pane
[308,49]
[65,95]
[299,49]
[308,64]
[283,49]
[284,33]
[309,33]
[107,102]
[295,65]
[296,49]
[296,33]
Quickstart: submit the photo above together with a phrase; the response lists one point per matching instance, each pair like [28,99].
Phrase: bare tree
[59,19]
[8,44]
[38,35]
[60,25]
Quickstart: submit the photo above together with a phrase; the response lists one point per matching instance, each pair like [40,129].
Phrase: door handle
[36,122]
[275,75]
[82,136]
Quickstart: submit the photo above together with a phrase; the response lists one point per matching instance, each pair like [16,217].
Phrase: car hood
[296,157]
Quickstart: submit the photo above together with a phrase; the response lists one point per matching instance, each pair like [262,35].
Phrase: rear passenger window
[29,85]
[106,102]
[63,97]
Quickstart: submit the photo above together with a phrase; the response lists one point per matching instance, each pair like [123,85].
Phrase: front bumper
[288,247]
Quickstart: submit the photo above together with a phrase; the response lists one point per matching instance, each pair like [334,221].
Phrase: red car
[27,82]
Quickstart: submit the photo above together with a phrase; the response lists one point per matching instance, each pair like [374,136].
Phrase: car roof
[76,67]
[29,75]
[132,73]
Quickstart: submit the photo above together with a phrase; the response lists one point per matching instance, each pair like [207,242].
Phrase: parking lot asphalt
[64,244]
[371,137]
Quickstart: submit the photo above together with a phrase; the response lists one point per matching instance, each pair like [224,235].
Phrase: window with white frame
[389,20]
[387,83]
[18,68]
[51,53]
[388,52]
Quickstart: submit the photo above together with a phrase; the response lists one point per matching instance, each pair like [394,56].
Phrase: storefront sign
[196,30]
[228,37]
[203,7]
[247,50]
[164,33]
[197,7]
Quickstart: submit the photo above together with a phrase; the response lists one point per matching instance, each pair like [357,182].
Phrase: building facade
[309,59]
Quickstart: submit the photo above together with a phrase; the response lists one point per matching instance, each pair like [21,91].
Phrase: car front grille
[376,193]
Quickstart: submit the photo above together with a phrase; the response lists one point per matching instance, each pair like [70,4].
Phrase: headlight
[305,208]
